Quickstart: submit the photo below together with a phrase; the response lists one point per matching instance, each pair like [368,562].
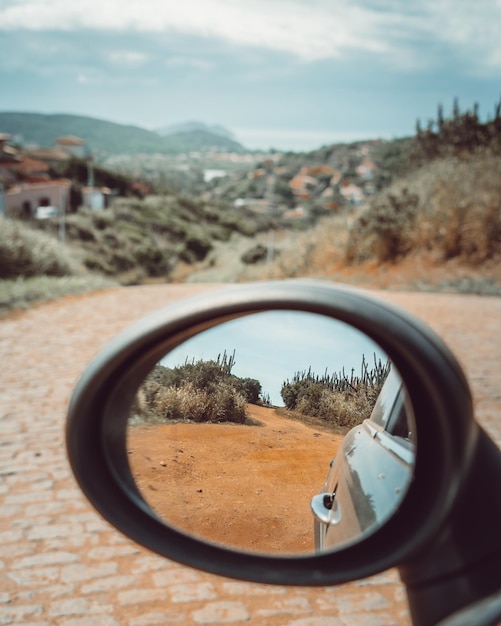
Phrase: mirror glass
[280,432]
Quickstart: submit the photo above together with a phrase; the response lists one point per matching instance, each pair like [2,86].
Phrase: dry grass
[448,209]
[188,403]
[24,293]
[26,252]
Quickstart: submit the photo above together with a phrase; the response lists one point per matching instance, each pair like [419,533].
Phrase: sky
[272,346]
[287,74]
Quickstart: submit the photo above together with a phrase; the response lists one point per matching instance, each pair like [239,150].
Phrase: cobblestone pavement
[61,564]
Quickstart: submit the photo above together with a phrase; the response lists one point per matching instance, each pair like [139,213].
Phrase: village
[30,187]
[290,185]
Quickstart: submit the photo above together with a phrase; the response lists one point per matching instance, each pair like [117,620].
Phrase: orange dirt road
[245,486]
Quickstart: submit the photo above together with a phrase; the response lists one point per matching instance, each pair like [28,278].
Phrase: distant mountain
[106,138]
[189,127]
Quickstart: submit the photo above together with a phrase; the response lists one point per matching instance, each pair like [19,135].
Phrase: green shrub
[201,391]
[98,264]
[122,261]
[156,262]
[250,388]
[23,292]
[192,404]
[339,400]
[195,249]
[385,231]
[102,219]
[255,255]
[25,252]
[80,227]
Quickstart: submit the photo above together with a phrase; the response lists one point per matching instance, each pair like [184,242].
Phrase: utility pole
[62,213]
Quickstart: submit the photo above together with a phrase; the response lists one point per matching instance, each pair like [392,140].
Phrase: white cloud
[314,30]
[189,62]
[128,57]
[311,31]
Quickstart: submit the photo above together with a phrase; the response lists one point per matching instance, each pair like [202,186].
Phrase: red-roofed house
[23,199]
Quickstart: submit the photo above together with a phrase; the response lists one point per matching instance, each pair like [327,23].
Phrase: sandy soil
[245,486]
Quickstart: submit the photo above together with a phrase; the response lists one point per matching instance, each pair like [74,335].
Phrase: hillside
[427,217]
[105,138]
[186,127]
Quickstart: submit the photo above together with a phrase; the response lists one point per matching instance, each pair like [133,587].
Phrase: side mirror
[425,520]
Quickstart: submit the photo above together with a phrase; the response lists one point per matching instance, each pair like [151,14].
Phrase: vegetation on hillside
[35,266]
[103,137]
[207,392]
[461,133]
[435,196]
[26,253]
[138,239]
[448,205]
[197,391]
[339,399]
[447,209]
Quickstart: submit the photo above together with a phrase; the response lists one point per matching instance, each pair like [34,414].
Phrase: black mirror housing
[449,440]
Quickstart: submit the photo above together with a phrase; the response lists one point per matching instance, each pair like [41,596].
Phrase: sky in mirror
[289,74]
[272,346]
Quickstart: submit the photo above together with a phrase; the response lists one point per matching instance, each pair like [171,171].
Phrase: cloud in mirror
[234,432]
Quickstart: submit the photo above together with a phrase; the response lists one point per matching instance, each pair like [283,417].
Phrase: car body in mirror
[370,473]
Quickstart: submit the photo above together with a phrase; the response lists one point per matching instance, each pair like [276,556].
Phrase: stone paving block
[10,536]
[316,621]
[49,531]
[79,573]
[34,577]
[14,614]
[47,508]
[151,563]
[221,613]
[49,558]
[78,606]
[160,617]
[17,549]
[368,619]
[26,498]
[139,596]
[52,591]
[28,478]
[101,620]
[9,510]
[192,592]
[109,583]
[248,589]
[175,576]
[289,606]
[106,553]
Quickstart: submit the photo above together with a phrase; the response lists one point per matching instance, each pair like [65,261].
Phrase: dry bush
[25,253]
[181,403]
[188,403]
[21,293]
[339,400]
[346,410]
[450,208]
[201,391]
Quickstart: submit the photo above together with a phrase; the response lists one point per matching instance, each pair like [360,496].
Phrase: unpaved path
[244,486]
[61,565]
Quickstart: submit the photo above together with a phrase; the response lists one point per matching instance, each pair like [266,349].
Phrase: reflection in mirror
[232,435]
